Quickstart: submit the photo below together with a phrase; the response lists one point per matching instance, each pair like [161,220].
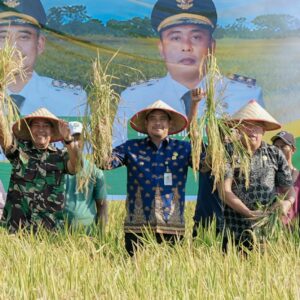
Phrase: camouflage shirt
[36,189]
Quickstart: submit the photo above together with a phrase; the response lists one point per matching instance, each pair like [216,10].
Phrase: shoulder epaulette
[243,79]
[148,82]
[64,85]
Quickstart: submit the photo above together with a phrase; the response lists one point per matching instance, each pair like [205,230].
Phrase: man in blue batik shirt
[156,175]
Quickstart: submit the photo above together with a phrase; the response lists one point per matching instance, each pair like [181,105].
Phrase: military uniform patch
[243,79]
[60,84]
[149,82]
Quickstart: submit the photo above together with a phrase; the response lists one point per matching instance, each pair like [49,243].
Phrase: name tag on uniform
[168,178]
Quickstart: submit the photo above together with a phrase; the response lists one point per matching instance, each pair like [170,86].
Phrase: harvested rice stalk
[224,146]
[195,128]
[101,107]
[11,65]
[270,225]
[196,138]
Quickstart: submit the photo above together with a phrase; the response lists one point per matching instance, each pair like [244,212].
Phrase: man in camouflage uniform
[36,190]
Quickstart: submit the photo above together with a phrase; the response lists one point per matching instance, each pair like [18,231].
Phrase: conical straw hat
[179,121]
[253,112]
[21,128]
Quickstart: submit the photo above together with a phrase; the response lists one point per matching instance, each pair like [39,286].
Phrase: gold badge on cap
[11,3]
[185,4]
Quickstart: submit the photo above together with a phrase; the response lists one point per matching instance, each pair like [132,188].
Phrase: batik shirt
[156,180]
[268,171]
[36,189]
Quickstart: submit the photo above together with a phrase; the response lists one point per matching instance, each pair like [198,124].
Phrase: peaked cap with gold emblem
[21,128]
[168,13]
[179,121]
[22,12]
[253,112]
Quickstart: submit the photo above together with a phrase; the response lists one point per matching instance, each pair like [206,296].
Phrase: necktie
[18,99]
[187,102]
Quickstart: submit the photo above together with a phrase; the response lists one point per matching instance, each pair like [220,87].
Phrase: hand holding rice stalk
[270,225]
[216,125]
[102,104]
[11,66]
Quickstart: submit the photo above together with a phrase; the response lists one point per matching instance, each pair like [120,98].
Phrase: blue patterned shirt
[153,199]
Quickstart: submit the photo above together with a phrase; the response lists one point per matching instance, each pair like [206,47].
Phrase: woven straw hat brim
[21,128]
[253,112]
[267,126]
[179,121]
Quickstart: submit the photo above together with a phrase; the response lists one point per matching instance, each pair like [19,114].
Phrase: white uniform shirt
[235,94]
[60,98]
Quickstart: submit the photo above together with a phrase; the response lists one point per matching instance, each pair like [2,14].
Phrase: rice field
[76,266]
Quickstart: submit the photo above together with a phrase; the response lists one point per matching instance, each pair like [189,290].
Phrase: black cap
[22,12]
[286,137]
[167,13]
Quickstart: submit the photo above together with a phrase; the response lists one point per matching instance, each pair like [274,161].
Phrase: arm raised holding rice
[36,191]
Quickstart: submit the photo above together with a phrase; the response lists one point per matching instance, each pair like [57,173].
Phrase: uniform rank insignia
[63,85]
[243,79]
[11,3]
[185,4]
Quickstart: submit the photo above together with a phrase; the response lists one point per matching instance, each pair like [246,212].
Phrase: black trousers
[244,242]
[135,240]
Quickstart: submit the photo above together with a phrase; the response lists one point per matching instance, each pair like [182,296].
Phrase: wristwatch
[70,141]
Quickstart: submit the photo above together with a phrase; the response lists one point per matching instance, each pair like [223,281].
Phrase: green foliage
[62,15]
[73,19]
[275,25]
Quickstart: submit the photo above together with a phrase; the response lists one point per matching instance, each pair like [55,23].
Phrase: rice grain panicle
[101,107]
[11,66]
[223,143]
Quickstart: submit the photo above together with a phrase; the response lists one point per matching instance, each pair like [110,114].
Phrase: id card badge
[168,178]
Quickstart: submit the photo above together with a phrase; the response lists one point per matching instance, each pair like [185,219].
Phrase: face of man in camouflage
[41,131]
